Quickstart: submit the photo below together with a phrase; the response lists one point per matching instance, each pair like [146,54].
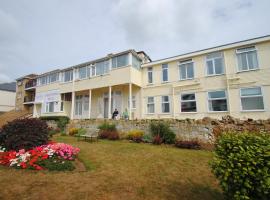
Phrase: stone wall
[204,130]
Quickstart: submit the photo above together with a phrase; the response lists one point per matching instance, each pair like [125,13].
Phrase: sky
[38,36]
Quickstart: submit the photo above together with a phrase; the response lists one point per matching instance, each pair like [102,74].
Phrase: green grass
[119,170]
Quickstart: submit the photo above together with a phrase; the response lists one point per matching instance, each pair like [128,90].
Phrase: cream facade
[232,79]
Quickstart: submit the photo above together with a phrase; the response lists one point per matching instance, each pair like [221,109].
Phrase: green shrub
[81,131]
[107,126]
[135,135]
[157,140]
[163,130]
[147,138]
[24,134]
[54,164]
[61,121]
[242,163]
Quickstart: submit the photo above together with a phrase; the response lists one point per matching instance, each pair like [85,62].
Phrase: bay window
[120,61]
[68,76]
[102,67]
[251,99]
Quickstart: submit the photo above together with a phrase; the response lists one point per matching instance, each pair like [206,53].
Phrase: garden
[134,165]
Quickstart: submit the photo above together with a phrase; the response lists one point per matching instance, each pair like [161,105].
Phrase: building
[25,93]
[232,79]
[7,100]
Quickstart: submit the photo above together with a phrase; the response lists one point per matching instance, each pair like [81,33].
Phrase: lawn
[119,170]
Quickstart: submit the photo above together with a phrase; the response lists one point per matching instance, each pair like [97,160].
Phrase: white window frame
[165,102]
[214,65]
[47,108]
[183,101]
[237,53]
[262,95]
[86,75]
[164,67]
[183,63]
[133,100]
[222,98]
[152,103]
[71,74]
[116,61]
[150,71]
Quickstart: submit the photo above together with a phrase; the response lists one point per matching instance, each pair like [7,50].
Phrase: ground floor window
[50,106]
[165,104]
[251,99]
[217,100]
[133,106]
[150,105]
[188,103]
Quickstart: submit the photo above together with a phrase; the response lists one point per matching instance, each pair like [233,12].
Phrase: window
[164,72]
[68,76]
[62,106]
[214,62]
[50,106]
[93,70]
[136,62]
[120,61]
[217,101]
[150,105]
[53,77]
[83,72]
[188,103]
[102,67]
[150,74]
[247,59]
[43,80]
[251,99]
[133,102]
[165,104]
[186,70]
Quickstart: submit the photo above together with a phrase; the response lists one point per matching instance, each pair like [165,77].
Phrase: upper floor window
[150,105]
[43,80]
[136,62]
[83,72]
[164,72]
[186,69]
[53,77]
[165,104]
[217,101]
[247,59]
[120,61]
[251,99]
[68,75]
[188,103]
[101,67]
[215,63]
[150,74]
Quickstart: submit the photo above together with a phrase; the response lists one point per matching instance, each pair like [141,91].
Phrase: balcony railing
[30,84]
[28,99]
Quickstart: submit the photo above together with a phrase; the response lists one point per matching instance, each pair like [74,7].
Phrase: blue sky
[37,36]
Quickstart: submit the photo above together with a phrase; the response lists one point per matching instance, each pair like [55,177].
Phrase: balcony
[29,100]
[31,84]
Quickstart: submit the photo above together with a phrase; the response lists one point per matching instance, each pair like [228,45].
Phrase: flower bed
[52,156]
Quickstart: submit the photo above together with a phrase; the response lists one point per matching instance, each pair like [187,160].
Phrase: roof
[11,87]
[211,49]
[29,76]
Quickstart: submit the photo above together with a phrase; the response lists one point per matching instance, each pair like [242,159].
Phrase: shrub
[53,131]
[194,144]
[135,135]
[163,130]
[111,135]
[241,163]
[24,134]
[107,126]
[147,138]
[81,131]
[61,121]
[157,140]
[73,131]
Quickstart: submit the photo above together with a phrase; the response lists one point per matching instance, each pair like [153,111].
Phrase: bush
[135,135]
[147,138]
[188,144]
[24,134]
[61,121]
[157,140]
[111,135]
[163,130]
[73,131]
[53,131]
[241,163]
[54,164]
[107,127]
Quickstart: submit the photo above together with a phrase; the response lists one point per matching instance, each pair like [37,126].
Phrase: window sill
[214,75]
[249,70]
[187,113]
[245,111]
[187,79]
[164,82]
[210,112]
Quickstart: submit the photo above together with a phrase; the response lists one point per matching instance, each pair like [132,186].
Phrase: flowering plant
[30,159]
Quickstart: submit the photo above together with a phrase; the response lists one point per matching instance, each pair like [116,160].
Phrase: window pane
[136,62]
[165,107]
[219,66]
[150,108]
[165,98]
[214,55]
[165,74]
[186,97]
[254,103]
[183,72]
[190,73]
[150,99]
[102,67]
[216,94]
[120,61]
[150,77]
[210,67]
[251,91]
[218,105]
[242,61]
[82,72]
[252,60]
[188,106]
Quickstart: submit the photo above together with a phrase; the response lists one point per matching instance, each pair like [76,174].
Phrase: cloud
[4,78]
